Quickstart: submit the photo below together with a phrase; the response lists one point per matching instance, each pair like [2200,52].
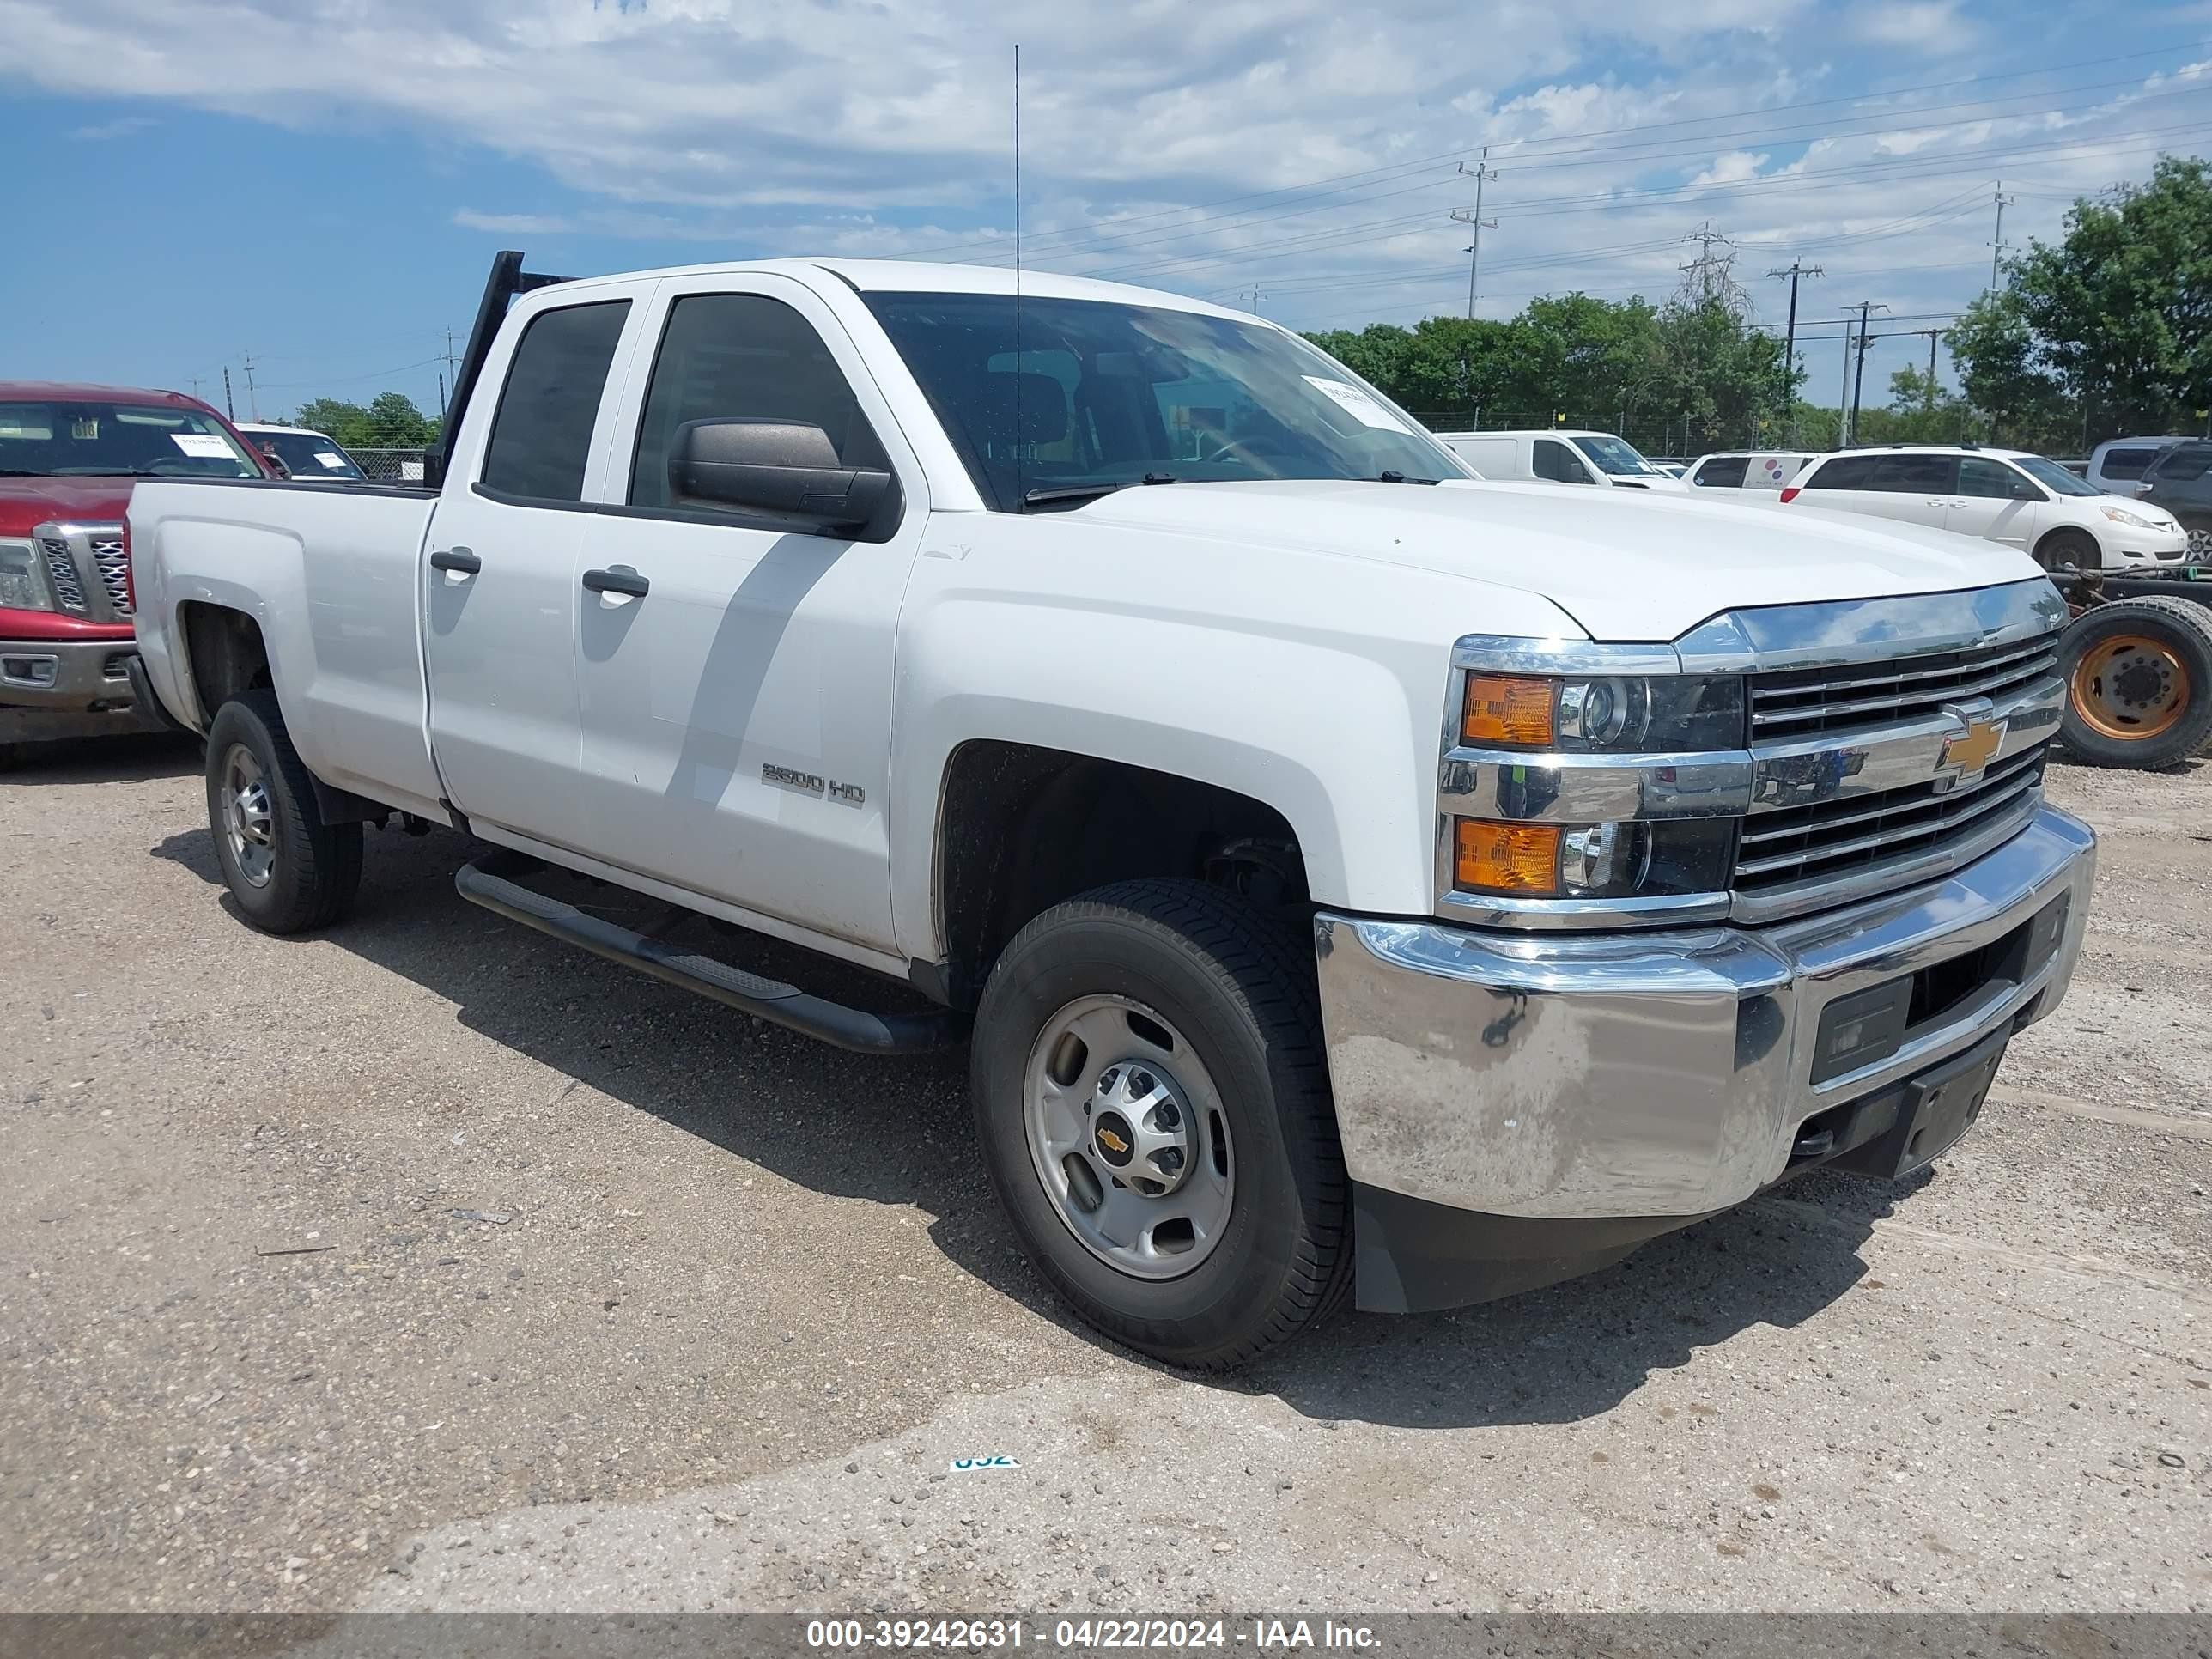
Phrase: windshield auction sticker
[1357,404]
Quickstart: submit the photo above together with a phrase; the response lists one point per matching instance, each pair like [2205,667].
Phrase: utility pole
[1996,256]
[1256,300]
[229,413]
[1866,344]
[449,360]
[195,386]
[1843,396]
[1481,173]
[1933,335]
[252,397]
[1793,270]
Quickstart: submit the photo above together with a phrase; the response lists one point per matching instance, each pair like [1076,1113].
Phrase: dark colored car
[2180,480]
[69,458]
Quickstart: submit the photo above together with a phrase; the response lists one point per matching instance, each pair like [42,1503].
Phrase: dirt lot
[610,1298]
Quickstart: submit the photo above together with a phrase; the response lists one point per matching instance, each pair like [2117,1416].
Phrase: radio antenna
[1021,503]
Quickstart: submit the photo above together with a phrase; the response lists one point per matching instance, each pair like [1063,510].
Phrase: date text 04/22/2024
[1157,1635]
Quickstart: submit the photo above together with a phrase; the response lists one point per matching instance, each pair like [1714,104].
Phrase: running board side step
[493,882]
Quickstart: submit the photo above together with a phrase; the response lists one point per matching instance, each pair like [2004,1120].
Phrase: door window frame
[606,486]
[476,423]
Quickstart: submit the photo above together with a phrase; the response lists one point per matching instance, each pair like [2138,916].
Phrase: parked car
[2004,496]
[2117,466]
[307,454]
[70,456]
[1561,456]
[2177,483]
[1765,470]
[1357,877]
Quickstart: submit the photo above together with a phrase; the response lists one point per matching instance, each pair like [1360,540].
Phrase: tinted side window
[727,356]
[1992,478]
[1725,473]
[2126,462]
[2182,464]
[541,437]
[1850,472]
[1902,474]
[1554,460]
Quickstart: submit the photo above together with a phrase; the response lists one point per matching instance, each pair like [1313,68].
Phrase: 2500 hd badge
[813,783]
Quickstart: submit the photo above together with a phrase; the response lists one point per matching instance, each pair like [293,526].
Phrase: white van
[1560,455]
[2005,496]
[1768,470]
[2117,465]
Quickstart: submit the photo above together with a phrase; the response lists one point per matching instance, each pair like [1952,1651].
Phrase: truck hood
[26,502]
[1626,564]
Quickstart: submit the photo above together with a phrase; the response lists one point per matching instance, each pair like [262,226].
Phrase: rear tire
[1192,995]
[2138,675]
[2062,548]
[286,868]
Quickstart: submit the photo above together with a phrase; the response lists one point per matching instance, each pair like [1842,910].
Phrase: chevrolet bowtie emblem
[1974,748]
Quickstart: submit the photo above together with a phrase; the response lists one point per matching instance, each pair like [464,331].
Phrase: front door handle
[458,560]
[618,579]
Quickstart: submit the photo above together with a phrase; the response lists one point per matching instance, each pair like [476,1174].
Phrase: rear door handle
[457,560]
[618,579]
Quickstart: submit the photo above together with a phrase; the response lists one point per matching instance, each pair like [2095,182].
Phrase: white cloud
[122,127]
[1732,166]
[1927,25]
[512,224]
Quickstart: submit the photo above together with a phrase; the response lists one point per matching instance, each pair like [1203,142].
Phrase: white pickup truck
[1353,872]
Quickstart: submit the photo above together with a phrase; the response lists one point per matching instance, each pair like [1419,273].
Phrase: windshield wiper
[1400,477]
[18,472]
[1086,492]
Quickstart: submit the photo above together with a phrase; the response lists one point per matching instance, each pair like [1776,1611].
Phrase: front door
[1994,502]
[500,598]
[737,713]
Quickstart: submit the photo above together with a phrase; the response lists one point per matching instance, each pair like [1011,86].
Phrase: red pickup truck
[69,457]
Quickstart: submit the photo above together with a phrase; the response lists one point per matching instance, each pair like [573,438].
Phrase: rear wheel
[2200,546]
[2062,548]
[287,869]
[2138,682]
[1153,1108]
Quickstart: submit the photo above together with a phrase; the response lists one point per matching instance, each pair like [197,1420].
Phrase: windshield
[307,454]
[2054,477]
[1112,394]
[116,441]
[1618,457]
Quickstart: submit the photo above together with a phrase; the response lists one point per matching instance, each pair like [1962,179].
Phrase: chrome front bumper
[1653,1073]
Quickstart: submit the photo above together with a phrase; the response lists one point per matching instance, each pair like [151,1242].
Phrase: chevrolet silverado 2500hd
[1353,872]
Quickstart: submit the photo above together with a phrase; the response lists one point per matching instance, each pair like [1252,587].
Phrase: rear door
[499,594]
[1997,503]
[736,715]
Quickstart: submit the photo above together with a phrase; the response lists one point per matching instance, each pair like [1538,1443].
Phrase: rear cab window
[1724,472]
[540,433]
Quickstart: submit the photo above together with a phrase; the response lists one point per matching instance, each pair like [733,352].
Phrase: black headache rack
[508,281]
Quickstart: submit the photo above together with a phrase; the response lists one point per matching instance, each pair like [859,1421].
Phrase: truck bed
[343,623]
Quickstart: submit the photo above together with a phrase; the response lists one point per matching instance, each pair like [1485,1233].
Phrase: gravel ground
[431,1264]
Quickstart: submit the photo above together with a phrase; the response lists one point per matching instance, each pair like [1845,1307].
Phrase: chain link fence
[391,466]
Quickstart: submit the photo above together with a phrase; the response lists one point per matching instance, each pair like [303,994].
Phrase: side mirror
[2024,491]
[786,470]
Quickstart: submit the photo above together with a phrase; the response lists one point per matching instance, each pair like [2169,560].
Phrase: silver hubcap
[1127,1135]
[2200,544]
[247,819]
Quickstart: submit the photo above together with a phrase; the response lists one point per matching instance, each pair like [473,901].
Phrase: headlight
[1604,714]
[22,578]
[1614,859]
[2135,520]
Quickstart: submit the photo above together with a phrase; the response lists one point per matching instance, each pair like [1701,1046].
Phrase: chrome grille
[61,566]
[112,561]
[1836,837]
[1808,703]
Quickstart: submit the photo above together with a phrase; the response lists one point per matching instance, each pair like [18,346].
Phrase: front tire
[2062,548]
[287,870]
[2138,678]
[1170,1032]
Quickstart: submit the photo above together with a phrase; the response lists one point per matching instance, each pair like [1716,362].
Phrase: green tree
[390,421]
[2007,377]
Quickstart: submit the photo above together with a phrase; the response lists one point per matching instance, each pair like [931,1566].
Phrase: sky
[318,185]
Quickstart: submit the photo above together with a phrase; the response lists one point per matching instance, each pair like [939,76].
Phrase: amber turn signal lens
[1508,708]
[1505,858]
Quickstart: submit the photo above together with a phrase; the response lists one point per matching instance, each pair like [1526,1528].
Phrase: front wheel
[287,870]
[2063,548]
[2138,682]
[1153,1108]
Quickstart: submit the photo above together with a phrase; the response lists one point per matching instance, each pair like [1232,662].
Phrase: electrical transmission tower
[1710,277]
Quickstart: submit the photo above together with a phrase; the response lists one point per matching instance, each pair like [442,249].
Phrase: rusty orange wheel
[2130,688]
